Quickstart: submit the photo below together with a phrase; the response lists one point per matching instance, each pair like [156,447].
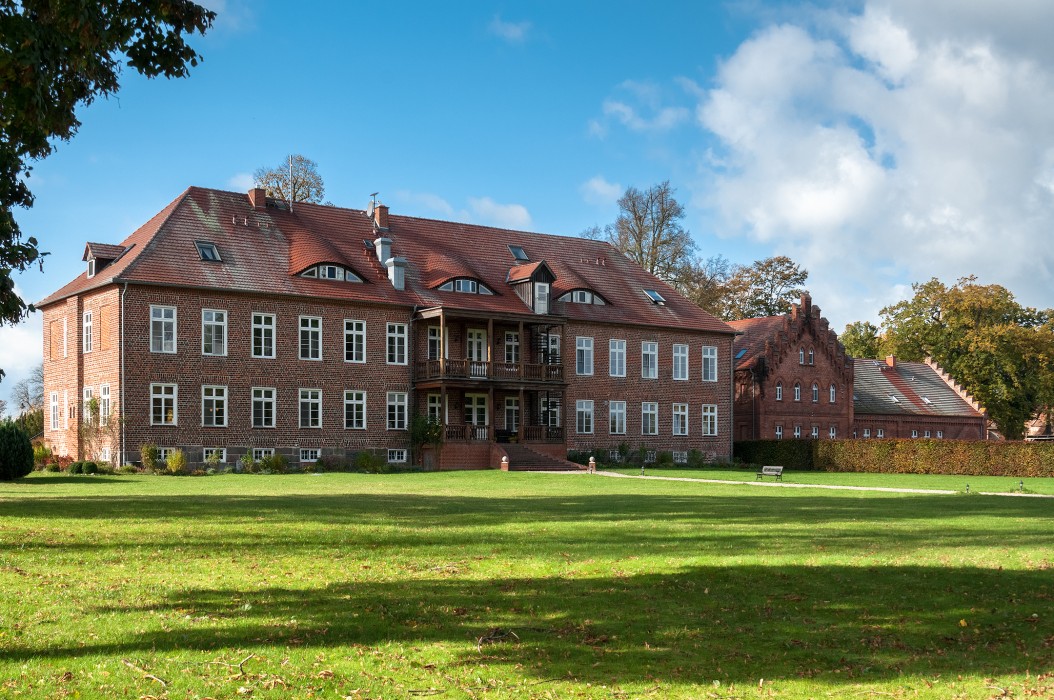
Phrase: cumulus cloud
[512,32]
[431,203]
[21,349]
[598,191]
[888,152]
[640,106]
[241,182]
[487,211]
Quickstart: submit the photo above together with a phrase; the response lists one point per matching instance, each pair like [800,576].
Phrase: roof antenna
[372,205]
[290,194]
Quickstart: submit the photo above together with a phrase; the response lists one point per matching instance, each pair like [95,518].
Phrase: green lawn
[505,585]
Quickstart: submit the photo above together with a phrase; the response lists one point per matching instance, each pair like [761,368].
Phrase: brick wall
[901,426]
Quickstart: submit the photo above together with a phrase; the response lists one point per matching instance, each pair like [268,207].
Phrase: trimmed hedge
[905,456]
[16,452]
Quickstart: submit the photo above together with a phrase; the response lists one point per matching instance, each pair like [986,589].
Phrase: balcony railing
[471,369]
[482,433]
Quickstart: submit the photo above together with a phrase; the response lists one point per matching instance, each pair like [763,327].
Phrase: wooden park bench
[770,471]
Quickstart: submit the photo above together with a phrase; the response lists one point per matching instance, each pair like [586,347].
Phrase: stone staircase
[524,459]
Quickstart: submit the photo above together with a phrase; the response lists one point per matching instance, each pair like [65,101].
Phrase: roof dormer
[99,255]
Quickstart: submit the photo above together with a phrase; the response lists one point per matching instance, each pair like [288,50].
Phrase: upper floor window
[709,363]
[649,360]
[541,297]
[87,331]
[331,272]
[91,268]
[263,335]
[310,338]
[465,286]
[163,404]
[680,362]
[797,391]
[834,394]
[815,392]
[583,356]
[812,357]
[354,341]
[512,347]
[214,406]
[617,358]
[397,343]
[779,391]
[583,296]
[801,356]
[208,251]
[162,329]
[213,332]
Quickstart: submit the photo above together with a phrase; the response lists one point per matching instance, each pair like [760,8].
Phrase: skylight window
[926,399]
[208,251]
[518,253]
[739,355]
[655,296]
[894,399]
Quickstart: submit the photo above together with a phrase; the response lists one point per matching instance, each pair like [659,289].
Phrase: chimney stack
[891,361]
[396,272]
[383,246]
[258,198]
[380,216]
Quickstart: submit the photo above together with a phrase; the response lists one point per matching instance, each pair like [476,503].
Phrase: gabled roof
[919,390]
[102,251]
[755,332]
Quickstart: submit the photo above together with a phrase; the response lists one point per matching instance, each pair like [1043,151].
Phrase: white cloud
[21,349]
[512,32]
[889,153]
[241,182]
[487,211]
[432,203]
[233,15]
[596,190]
[640,107]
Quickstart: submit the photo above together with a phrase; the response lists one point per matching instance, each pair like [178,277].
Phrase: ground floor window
[163,453]
[214,454]
[310,454]
[396,410]
[779,432]
[833,432]
[680,457]
[512,414]
[880,433]
[355,410]
[163,404]
[262,453]
[396,456]
[617,417]
[584,416]
[310,408]
[680,419]
[710,422]
[649,418]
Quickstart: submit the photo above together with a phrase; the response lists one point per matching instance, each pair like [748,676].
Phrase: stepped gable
[920,389]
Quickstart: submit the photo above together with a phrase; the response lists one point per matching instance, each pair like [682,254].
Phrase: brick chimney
[258,198]
[380,216]
[891,361]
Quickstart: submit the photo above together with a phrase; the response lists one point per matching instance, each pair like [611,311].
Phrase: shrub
[41,456]
[53,467]
[77,468]
[91,468]
[127,469]
[246,463]
[213,460]
[276,464]
[151,457]
[176,463]
[16,452]
[793,454]
[370,463]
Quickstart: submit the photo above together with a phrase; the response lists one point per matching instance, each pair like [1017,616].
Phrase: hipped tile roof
[910,382]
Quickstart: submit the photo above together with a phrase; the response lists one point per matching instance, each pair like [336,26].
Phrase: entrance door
[476,416]
[477,352]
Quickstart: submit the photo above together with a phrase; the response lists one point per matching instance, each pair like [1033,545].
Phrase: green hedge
[963,457]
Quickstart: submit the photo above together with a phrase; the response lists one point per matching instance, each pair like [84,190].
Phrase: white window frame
[797,391]
[940,434]
[355,402]
[87,396]
[914,433]
[709,363]
[815,392]
[680,419]
[217,395]
[649,359]
[265,396]
[801,356]
[435,408]
[262,453]
[397,456]
[797,432]
[551,411]
[779,391]
[616,357]
[396,344]
[104,405]
[880,433]
[709,413]
[311,337]
[649,418]
[311,400]
[512,347]
[512,411]
[832,432]
[396,411]
[54,400]
[205,453]
[867,433]
[214,329]
[159,393]
[264,326]
[86,337]
[159,323]
[680,362]
[833,394]
[584,356]
[584,416]
[541,297]
[815,434]
[617,418]
[310,455]
[779,432]
[354,341]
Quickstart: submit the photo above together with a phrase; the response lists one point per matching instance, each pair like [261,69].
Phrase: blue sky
[878,143]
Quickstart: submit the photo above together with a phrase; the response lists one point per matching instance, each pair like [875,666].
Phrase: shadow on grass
[737,624]
[79,479]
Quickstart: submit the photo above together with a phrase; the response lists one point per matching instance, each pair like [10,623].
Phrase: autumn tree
[27,401]
[766,288]
[295,180]
[997,349]
[860,339]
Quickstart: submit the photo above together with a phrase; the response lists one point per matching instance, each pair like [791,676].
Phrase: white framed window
[680,457]
[214,406]
[163,407]
[617,417]
[86,416]
[310,338]
[512,413]
[396,456]
[397,343]
[815,392]
[104,454]
[435,344]
[207,251]
[832,432]
[213,332]
[779,432]
[583,356]
[867,432]
[649,418]
[104,405]
[881,433]
[219,452]
[832,394]
[310,408]
[541,297]
[86,345]
[680,419]
[617,358]
[797,391]
[263,406]
[710,422]
[435,408]
[551,413]
[309,455]
[262,453]
[584,416]
[54,410]
[263,335]
[779,391]
[940,434]
[163,453]
[512,347]
[355,341]
[163,329]
[649,360]
[354,410]
[680,362]
[914,433]
[926,434]
[797,431]
[709,363]
[812,357]
[801,356]
[815,434]
[396,410]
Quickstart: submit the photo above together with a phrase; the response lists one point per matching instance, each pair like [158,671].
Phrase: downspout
[120,414]
[753,407]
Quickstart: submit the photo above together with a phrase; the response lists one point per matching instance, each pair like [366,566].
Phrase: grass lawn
[506,585]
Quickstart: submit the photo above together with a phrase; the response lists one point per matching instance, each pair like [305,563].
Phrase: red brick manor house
[231,324]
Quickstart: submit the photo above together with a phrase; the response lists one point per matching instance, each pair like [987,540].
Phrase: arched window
[812,357]
[801,356]
[797,391]
[779,391]
[815,392]
[834,393]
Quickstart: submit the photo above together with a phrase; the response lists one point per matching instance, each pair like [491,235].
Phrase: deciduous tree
[860,339]
[296,180]
[766,288]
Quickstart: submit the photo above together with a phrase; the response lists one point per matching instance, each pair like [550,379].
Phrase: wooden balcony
[501,371]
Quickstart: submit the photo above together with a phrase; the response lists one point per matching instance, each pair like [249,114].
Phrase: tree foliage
[55,57]
[296,180]
[28,393]
[997,349]
[766,288]
[860,339]
[16,452]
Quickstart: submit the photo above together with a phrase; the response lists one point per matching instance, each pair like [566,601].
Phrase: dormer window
[91,268]
[583,296]
[331,272]
[465,285]
[518,254]
[655,297]
[207,251]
